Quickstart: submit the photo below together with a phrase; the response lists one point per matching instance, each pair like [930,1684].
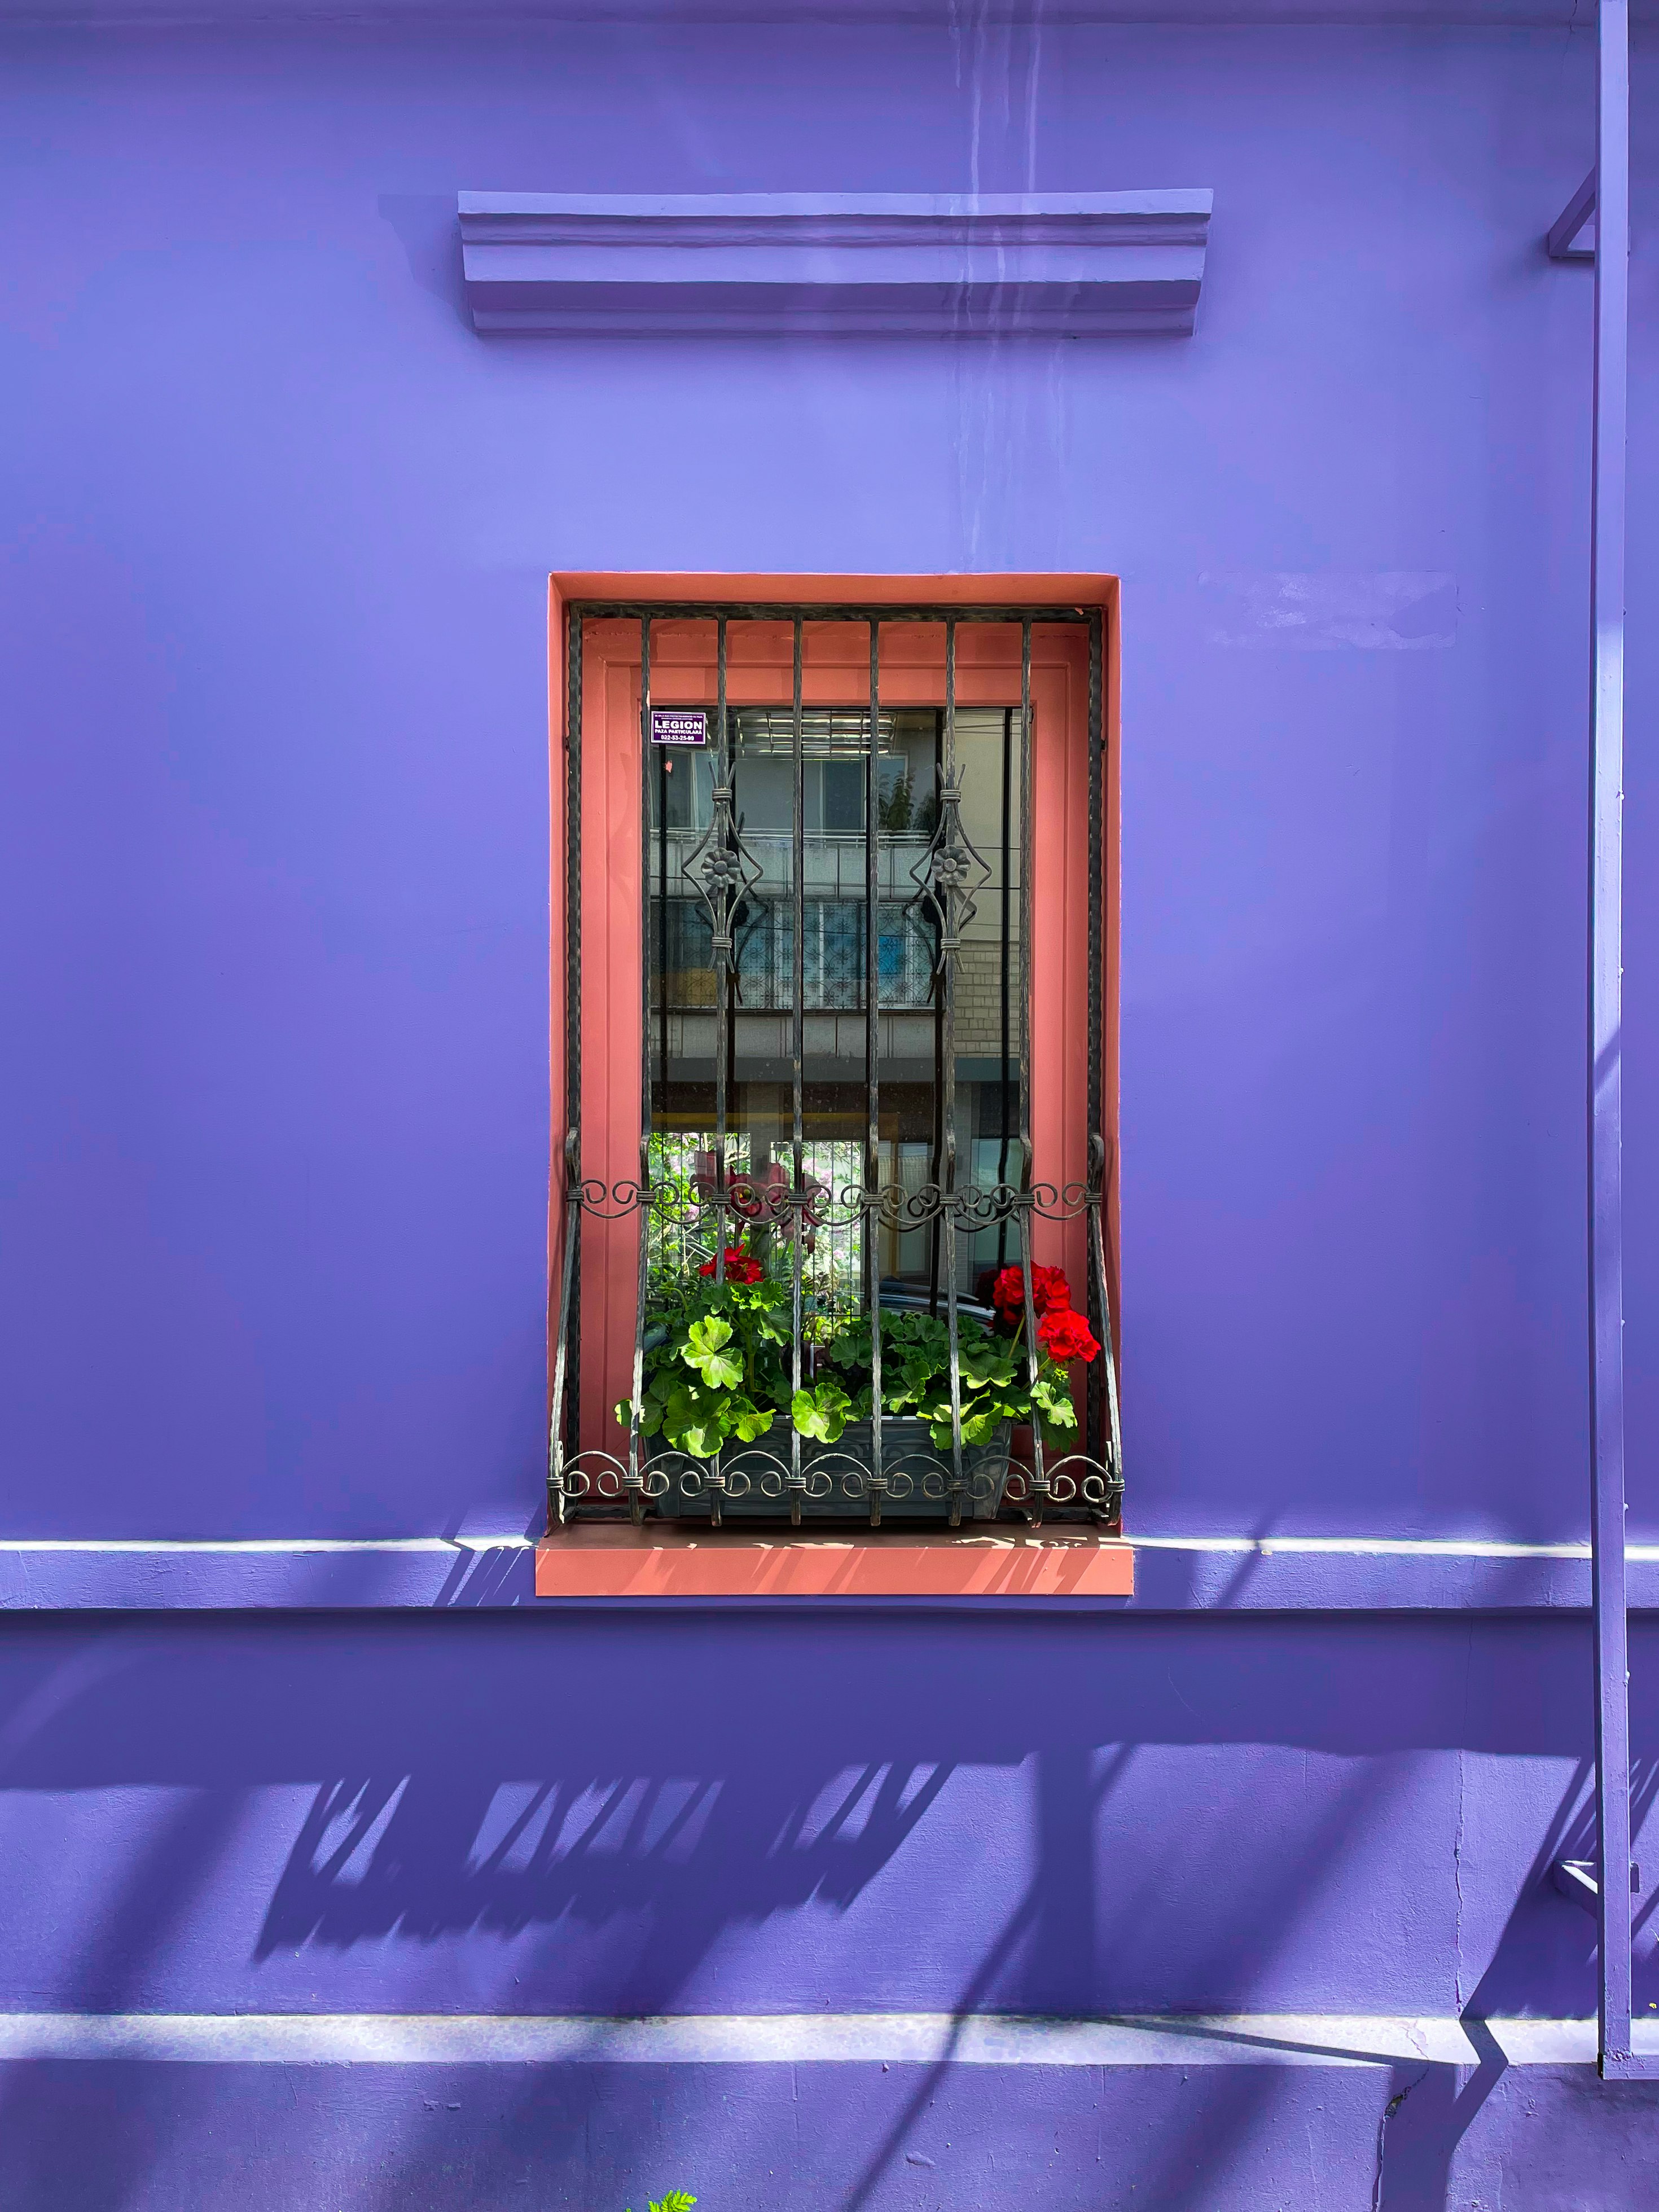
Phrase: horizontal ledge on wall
[1171,1575]
[878,16]
[613,1560]
[902,264]
[929,2040]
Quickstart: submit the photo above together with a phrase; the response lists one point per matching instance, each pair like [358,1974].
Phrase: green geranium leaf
[979,1425]
[988,1362]
[706,1349]
[821,1411]
[1051,1396]
[750,1421]
[650,1415]
[696,1421]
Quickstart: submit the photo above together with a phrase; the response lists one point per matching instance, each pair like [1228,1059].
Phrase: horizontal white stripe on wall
[1173,1575]
[1370,1547]
[798,2038]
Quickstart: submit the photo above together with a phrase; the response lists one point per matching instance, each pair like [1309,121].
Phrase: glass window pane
[759,1085]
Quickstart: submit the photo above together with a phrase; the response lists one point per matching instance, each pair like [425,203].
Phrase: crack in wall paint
[1387,2113]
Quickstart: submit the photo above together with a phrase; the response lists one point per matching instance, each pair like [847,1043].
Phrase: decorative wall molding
[1050,264]
[1173,1575]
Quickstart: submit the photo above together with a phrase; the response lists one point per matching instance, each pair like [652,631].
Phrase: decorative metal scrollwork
[770,1199]
[834,1481]
[725,872]
[949,875]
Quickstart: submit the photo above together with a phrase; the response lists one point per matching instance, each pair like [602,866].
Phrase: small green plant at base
[677,2200]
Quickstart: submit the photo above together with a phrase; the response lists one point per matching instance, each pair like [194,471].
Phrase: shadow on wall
[428,230]
[420,1857]
[1059,1815]
[724,1813]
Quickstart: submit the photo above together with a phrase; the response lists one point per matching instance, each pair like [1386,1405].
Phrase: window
[760,1153]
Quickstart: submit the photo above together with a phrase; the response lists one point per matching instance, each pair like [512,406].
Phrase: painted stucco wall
[274,860]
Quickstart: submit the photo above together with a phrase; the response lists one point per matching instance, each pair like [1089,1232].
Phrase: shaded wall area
[85,2138]
[485,1813]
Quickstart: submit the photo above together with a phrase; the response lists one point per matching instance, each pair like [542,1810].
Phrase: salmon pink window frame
[605,907]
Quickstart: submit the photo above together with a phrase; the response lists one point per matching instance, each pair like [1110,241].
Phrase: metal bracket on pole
[1577,1881]
[1565,242]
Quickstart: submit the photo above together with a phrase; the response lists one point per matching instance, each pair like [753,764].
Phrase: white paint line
[266,1547]
[795,2038]
[1265,1547]
[1368,1547]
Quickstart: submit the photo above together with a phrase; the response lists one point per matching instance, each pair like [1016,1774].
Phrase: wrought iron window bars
[721,880]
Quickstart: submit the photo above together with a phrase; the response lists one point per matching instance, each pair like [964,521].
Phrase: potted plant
[716,1391]
[996,1391]
[715,1359]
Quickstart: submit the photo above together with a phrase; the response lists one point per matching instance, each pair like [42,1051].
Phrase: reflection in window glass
[760,1096]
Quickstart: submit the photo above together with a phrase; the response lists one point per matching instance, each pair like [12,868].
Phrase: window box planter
[837,1479]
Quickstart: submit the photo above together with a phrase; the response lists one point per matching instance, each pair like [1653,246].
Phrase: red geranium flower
[740,1267]
[1067,1335]
[1050,1292]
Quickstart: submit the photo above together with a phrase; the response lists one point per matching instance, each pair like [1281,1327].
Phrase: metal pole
[872,1066]
[945,991]
[568,1363]
[796,1485]
[633,1481]
[1605,1226]
[1039,1497]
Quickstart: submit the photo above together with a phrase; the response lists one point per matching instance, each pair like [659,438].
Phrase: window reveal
[853,1153]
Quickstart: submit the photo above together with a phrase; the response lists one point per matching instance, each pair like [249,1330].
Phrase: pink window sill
[615,1559]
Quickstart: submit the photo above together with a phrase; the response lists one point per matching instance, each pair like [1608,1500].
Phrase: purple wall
[274,860]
